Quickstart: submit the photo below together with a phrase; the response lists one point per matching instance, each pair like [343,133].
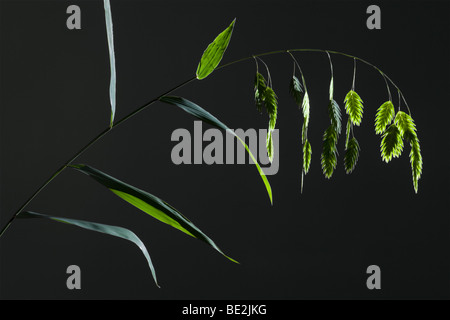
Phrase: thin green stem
[299,69]
[319,50]
[387,86]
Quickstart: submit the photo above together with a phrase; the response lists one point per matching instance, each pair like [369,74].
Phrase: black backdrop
[315,245]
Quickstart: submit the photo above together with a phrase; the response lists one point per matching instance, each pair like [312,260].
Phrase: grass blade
[214,52]
[205,116]
[99,227]
[112,60]
[149,204]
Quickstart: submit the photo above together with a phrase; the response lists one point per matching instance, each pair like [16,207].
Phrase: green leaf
[354,107]
[148,203]
[112,62]
[296,90]
[384,116]
[391,143]
[99,227]
[335,115]
[351,155]
[329,151]
[205,116]
[214,52]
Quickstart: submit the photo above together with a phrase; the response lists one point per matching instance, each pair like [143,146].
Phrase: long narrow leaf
[205,116]
[214,52]
[99,227]
[112,60]
[149,204]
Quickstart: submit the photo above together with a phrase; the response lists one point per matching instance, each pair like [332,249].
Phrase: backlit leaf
[99,227]
[214,52]
[205,116]
[112,59]
[148,203]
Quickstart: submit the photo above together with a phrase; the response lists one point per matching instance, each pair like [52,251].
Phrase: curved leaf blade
[149,204]
[112,59]
[205,116]
[102,228]
[214,52]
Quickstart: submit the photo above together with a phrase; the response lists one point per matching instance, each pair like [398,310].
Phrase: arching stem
[136,111]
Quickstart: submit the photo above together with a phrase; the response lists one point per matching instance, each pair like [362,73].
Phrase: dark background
[316,245]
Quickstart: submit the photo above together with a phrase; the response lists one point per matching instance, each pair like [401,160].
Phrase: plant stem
[133,113]
[319,50]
